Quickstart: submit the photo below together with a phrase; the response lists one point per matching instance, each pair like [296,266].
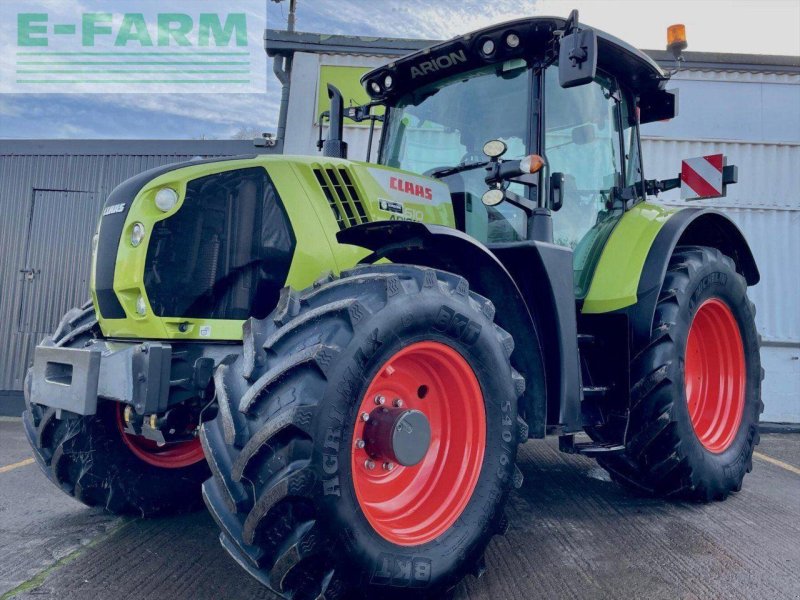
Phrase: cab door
[583,137]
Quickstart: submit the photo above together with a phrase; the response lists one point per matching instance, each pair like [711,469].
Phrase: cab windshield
[446,124]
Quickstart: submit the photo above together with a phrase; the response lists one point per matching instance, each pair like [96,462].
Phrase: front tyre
[366,441]
[93,460]
[696,393]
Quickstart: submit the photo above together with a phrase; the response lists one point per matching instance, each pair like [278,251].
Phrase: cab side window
[582,141]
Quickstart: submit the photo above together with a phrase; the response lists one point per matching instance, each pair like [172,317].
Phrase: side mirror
[577,58]
[556,191]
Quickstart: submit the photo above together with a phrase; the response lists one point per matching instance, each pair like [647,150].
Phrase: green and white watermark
[132,46]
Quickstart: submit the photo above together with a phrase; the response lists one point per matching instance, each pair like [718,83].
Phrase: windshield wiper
[447,171]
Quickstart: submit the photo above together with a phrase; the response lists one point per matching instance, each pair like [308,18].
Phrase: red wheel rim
[170,456]
[409,506]
[715,375]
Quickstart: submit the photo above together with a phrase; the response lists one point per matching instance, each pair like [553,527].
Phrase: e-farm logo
[134,46]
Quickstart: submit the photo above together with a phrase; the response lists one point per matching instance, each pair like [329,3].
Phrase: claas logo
[411,188]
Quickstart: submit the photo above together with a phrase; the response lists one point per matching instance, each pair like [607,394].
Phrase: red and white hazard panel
[702,177]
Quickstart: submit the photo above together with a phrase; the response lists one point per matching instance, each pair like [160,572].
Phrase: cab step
[595,391]
[568,445]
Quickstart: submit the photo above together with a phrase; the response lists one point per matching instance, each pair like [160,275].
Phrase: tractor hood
[227,235]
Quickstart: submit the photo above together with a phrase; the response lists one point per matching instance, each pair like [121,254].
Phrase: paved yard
[573,535]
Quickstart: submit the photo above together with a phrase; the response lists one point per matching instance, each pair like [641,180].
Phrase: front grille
[225,254]
[342,195]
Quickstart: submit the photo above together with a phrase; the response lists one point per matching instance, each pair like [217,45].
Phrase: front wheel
[696,394]
[92,459]
[366,441]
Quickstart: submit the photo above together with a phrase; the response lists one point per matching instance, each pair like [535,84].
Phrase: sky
[741,26]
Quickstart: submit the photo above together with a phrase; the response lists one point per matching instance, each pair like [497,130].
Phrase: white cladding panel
[301,125]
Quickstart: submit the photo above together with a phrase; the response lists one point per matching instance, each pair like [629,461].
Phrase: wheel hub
[398,435]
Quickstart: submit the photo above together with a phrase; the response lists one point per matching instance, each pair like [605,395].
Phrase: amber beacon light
[676,39]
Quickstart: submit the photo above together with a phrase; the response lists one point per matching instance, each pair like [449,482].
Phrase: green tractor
[341,358]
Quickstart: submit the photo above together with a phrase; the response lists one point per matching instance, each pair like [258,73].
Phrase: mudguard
[631,270]
[687,227]
[448,249]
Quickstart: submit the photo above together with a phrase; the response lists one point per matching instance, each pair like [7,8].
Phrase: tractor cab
[545,87]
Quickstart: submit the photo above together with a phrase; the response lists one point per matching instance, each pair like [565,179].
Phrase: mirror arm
[521,203]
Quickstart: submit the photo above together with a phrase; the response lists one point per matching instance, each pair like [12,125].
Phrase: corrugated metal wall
[754,119]
[765,204]
[51,194]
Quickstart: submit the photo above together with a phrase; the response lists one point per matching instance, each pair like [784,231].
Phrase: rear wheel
[366,441]
[92,458]
[696,396]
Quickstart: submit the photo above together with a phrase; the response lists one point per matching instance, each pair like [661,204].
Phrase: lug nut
[370,465]
[398,403]
[360,444]
[365,417]
[387,466]
[380,400]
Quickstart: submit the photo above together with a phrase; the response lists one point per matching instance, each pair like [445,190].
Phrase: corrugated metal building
[745,106]
[51,193]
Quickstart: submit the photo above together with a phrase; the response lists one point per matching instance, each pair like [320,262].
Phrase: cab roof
[633,68]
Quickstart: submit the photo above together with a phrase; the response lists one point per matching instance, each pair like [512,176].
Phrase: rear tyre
[311,511]
[696,394]
[92,460]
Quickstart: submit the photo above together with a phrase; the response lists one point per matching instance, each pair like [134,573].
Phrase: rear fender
[450,250]
[688,227]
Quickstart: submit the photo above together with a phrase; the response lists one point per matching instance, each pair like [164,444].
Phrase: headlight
[166,199]
[137,234]
[512,40]
[388,82]
[141,306]
[376,87]
[487,48]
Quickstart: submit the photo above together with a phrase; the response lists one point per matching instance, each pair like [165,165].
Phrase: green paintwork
[616,277]
[312,219]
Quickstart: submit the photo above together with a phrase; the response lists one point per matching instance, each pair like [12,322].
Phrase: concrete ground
[573,534]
